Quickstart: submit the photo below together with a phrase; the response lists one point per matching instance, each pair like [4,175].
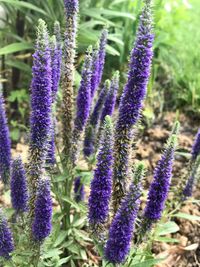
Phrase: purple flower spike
[84,95]
[6,239]
[19,190]
[95,72]
[101,184]
[132,100]
[122,226]
[109,103]
[5,144]
[71,7]
[56,56]
[41,226]
[40,121]
[102,54]
[196,146]
[89,141]
[187,192]
[83,105]
[161,182]
[78,190]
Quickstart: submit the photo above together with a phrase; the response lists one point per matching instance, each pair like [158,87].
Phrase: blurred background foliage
[175,81]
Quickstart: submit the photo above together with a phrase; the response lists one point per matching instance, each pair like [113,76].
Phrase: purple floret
[79,192]
[5,144]
[41,226]
[19,189]
[101,184]
[6,239]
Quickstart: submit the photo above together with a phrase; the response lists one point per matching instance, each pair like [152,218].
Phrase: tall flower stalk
[101,184]
[160,185]
[71,9]
[83,105]
[5,144]
[41,107]
[102,53]
[91,129]
[132,100]
[56,59]
[122,226]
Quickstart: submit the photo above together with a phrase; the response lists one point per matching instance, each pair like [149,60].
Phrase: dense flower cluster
[40,121]
[6,239]
[101,184]
[5,144]
[19,190]
[122,226]
[83,105]
[110,100]
[132,100]
[41,226]
[159,187]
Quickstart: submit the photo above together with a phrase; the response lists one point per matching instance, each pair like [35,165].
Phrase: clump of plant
[121,231]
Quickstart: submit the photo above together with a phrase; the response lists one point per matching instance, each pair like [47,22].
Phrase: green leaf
[15,47]
[80,221]
[167,228]
[25,5]
[64,260]
[166,239]
[19,65]
[52,253]
[61,237]
[83,254]
[187,216]
[148,263]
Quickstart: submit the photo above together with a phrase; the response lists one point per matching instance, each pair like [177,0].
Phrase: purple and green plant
[83,104]
[131,101]
[42,224]
[101,184]
[159,188]
[91,128]
[41,112]
[5,144]
[122,226]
